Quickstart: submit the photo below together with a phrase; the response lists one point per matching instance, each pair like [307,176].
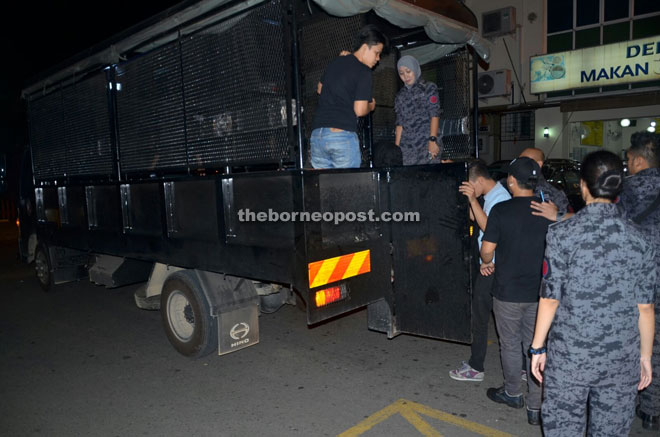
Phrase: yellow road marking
[420,424]
[411,412]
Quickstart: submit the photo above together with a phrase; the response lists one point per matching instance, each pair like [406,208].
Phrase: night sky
[36,36]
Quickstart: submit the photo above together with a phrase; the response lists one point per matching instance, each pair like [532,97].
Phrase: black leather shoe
[648,421]
[499,395]
[533,417]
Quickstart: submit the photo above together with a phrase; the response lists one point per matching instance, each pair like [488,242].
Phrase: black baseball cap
[523,169]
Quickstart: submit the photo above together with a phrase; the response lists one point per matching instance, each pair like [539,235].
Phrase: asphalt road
[83,360]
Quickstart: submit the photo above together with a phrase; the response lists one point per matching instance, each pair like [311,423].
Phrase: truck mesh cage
[218,97]
[70,131]
[210,99]
[213,98]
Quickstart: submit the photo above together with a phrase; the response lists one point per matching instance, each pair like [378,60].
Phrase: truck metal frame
[147,167]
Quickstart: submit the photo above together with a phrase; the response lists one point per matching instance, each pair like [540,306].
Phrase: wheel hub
[180,315]
[41,267]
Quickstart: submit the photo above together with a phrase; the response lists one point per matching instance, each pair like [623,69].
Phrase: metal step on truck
[176,154]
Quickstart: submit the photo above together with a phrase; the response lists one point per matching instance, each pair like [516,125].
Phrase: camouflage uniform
[414,108]
[639,191]
[599,266]
[550,192]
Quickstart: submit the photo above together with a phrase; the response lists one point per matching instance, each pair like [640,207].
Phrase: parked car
[495,169]
[565,175]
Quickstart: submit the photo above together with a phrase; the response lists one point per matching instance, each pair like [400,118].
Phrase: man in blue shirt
[479,183]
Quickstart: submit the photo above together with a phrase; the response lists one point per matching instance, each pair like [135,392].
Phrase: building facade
[610,47]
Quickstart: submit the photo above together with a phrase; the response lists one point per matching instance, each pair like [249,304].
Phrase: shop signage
[612,64]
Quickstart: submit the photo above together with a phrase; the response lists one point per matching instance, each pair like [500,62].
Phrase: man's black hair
[371,35]
[646,145]
[602,171]
[478,168]
[529,184]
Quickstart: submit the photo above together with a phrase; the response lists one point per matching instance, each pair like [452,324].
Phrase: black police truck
[176,154]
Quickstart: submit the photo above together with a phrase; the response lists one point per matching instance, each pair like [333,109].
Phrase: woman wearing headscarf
[417,107]
[600,275]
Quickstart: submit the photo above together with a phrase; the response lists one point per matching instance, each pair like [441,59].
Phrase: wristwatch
[538,351]
[434,139]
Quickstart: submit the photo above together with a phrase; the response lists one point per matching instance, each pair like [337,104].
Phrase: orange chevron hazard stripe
[338,268]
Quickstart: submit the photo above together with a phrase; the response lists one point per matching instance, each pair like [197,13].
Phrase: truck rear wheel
[42,268]
[186,316]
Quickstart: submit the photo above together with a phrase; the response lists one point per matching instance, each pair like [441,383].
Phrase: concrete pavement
[82,360]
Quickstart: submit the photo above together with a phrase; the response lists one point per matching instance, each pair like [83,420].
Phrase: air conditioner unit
[498,22]
[494,83]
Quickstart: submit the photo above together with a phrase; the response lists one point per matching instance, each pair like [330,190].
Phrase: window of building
[578,24]
[590,136]
[587,12]
[560,16]
[616,9]
[646,7]
[517,126]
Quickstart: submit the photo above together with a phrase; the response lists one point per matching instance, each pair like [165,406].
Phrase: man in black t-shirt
[345,94]
[519,238]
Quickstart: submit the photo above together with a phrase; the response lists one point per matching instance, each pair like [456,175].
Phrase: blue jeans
[335,149]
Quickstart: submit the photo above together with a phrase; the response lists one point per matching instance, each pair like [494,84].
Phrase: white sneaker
[466,373]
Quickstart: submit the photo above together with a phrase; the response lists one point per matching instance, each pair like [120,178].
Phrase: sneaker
[533,417]
[648,421]
[523,375]
[500,396]
[466,373]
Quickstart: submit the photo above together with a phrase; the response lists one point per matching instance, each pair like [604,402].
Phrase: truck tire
[186,316]
[43,268]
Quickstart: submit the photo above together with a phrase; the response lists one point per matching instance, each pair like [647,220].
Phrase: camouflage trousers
[564,409]
[649,398]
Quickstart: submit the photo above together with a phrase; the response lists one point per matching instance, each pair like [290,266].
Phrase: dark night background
[37,36]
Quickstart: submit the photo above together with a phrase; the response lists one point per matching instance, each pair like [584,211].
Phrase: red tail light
[329,295]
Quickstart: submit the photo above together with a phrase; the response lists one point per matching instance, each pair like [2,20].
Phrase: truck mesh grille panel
[150,111]
[210,99]
[70,131]
[386,85]
[47,136]
[235,89]
[452,75]
[89,144]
